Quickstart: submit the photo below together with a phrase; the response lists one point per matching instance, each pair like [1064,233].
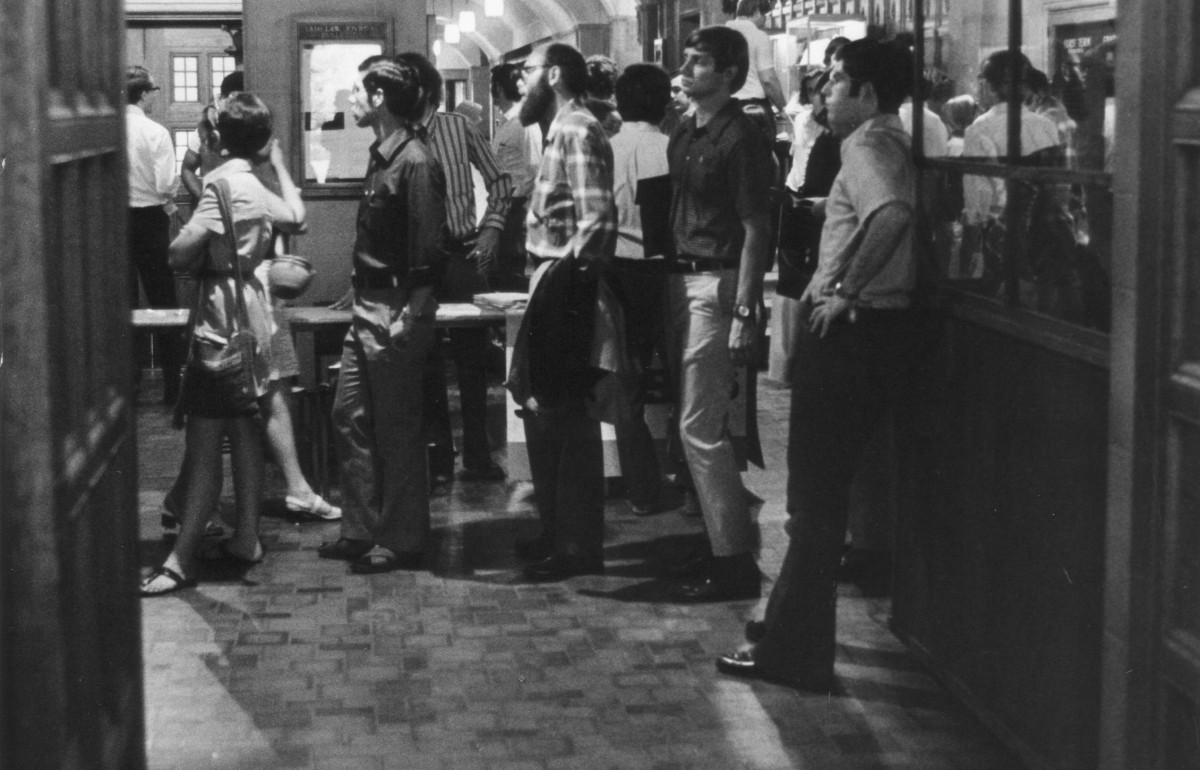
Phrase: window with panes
[1017,212]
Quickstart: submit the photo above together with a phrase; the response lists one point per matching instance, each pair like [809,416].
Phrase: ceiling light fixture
[466,22]
[453,35]
[493,8]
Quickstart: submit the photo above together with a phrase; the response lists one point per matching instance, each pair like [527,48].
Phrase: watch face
[741,311]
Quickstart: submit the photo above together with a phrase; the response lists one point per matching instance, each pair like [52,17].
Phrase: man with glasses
[855,360]
[567,340]
[151,157]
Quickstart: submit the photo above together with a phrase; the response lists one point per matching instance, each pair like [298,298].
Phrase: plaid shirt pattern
[571,210]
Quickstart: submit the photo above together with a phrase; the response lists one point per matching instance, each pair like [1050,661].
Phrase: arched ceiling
[528,21]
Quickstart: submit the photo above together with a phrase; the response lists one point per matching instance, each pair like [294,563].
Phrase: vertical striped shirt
[458,146]
[571,210]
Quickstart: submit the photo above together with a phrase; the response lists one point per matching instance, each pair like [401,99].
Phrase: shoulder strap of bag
[221,188]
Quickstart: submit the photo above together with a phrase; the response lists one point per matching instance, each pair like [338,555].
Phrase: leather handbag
[218,381]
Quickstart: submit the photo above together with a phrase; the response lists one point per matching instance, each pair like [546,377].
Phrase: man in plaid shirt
[567,335]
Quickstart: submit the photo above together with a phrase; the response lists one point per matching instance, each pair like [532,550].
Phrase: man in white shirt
[518,150]
[762,84]
[151,181]
[639,155]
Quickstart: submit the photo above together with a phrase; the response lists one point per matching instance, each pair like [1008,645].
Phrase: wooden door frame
[1152,75]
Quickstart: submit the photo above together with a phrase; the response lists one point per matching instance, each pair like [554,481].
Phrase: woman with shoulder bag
[227,377]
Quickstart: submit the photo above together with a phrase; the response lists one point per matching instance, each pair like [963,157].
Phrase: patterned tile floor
[298,664]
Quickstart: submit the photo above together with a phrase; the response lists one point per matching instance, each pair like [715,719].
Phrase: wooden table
[319,331]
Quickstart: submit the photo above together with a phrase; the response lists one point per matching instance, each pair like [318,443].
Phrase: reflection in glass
[334,149]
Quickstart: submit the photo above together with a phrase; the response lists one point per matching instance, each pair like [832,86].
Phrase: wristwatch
[744,312]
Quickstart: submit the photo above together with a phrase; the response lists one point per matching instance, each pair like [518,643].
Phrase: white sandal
[316,507]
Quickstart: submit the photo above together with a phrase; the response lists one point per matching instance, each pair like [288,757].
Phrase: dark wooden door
[70,652]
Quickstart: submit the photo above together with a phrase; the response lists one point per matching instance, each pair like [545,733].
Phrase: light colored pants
[700,313]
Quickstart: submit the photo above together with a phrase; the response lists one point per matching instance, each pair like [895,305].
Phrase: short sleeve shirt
[720,175]
[877,170]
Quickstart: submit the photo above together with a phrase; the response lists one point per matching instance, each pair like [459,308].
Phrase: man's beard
[539,99]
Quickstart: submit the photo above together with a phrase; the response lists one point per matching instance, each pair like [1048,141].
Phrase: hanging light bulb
[466,22]
[437,47]
[493,8]
[453,35]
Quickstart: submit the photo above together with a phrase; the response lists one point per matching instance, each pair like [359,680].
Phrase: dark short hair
[602,76]
[571,66]
[643,92]
[401,85]
[137,83]
[728,49]
[233,82]
[886,66]
[504,81]
[833,46]
[748,7]
[427,74]
[1037,81]
[996,71]
[245,124]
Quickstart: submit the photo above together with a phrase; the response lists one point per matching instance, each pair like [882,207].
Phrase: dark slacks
[469,350]
[642,297]
[846,385]
[566,459]
[149,238]
[509,271]
[377,415]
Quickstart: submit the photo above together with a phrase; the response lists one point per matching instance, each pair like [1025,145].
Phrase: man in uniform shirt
[151,181]
[377,410]
[855,359]
[721,171]
[471,252]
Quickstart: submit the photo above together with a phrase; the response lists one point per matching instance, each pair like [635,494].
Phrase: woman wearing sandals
[204,249]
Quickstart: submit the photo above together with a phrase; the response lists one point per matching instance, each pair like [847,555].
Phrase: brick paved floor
[298,664]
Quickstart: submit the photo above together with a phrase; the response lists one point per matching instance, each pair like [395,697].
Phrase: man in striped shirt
[471,255]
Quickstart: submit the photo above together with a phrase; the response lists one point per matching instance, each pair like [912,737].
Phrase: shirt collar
[718,122]
[133,109]
[639,127]
[231,166]
[885,121]
[513,111]
[385,150]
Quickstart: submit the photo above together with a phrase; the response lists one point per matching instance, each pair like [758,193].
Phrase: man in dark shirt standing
[720,173]
[377,410]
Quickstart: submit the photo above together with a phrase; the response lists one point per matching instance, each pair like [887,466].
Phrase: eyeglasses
[531,67]
[154,88]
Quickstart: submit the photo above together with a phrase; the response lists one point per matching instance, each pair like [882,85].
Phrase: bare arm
[751,266]
[188,175]
[771,87]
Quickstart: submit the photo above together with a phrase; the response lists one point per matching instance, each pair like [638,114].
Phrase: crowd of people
[635,244]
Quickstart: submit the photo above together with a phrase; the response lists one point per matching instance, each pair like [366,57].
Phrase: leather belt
[378,280]
[686,264]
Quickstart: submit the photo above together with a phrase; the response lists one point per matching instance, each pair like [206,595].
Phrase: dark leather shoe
[694,564]
[344,548]
[535,548]
[561,566]
[741,664]
[384,560]
[755,631]
[714,589]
